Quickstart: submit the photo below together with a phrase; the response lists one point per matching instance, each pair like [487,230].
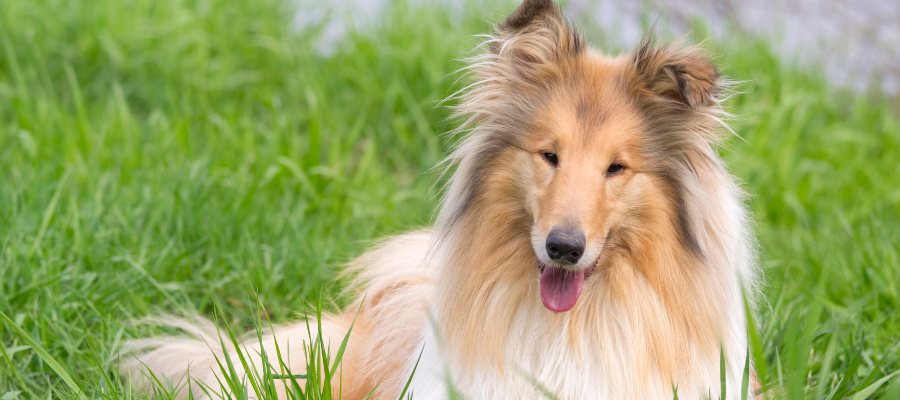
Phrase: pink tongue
[560,288]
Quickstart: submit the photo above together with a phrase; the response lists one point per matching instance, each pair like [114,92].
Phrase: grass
[168,156]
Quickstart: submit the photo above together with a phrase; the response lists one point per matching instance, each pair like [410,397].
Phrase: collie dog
[590,242]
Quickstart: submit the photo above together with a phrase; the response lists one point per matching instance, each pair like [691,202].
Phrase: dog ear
[536,35]
[685,76]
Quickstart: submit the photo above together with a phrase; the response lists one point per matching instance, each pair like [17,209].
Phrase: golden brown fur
[667,236]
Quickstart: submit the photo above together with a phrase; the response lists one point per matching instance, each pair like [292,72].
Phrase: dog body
[591,244]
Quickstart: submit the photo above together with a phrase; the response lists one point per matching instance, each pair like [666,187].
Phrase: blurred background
[854,42]
[188,156]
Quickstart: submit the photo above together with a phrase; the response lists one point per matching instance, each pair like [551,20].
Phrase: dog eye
[552,159]
[614,169]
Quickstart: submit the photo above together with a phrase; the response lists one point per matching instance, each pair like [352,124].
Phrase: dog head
[586,157]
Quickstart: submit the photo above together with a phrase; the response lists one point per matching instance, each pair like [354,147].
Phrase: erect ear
[535,35]
[685,76]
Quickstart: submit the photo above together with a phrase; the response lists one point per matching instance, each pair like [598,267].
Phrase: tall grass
[168,156]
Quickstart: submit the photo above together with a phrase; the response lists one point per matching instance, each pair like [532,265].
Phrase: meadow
[199,156]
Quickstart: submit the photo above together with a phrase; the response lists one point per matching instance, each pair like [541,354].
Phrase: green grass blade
[865,393]
[48,213]
[46,357]
[245,364]
[755,343]
[834,390]
[722,376]
[15,371]
[778,369]
[340,353]
[825,370]
[893,392]
[413,373]
[543,390]
[745,380]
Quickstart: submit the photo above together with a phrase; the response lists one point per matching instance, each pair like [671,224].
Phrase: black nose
[565,245]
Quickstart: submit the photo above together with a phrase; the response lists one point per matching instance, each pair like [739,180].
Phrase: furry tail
[175,358]
[193,364]
[397,284]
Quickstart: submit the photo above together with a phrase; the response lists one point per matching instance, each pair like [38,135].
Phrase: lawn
[168,156]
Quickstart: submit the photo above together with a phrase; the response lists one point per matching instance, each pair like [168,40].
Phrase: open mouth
[561,287]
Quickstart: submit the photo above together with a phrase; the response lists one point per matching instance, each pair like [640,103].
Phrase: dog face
[593,155]
[585,180]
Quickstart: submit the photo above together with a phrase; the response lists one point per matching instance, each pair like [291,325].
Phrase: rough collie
[590,243]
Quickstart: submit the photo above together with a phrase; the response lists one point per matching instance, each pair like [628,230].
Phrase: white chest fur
[541,362]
